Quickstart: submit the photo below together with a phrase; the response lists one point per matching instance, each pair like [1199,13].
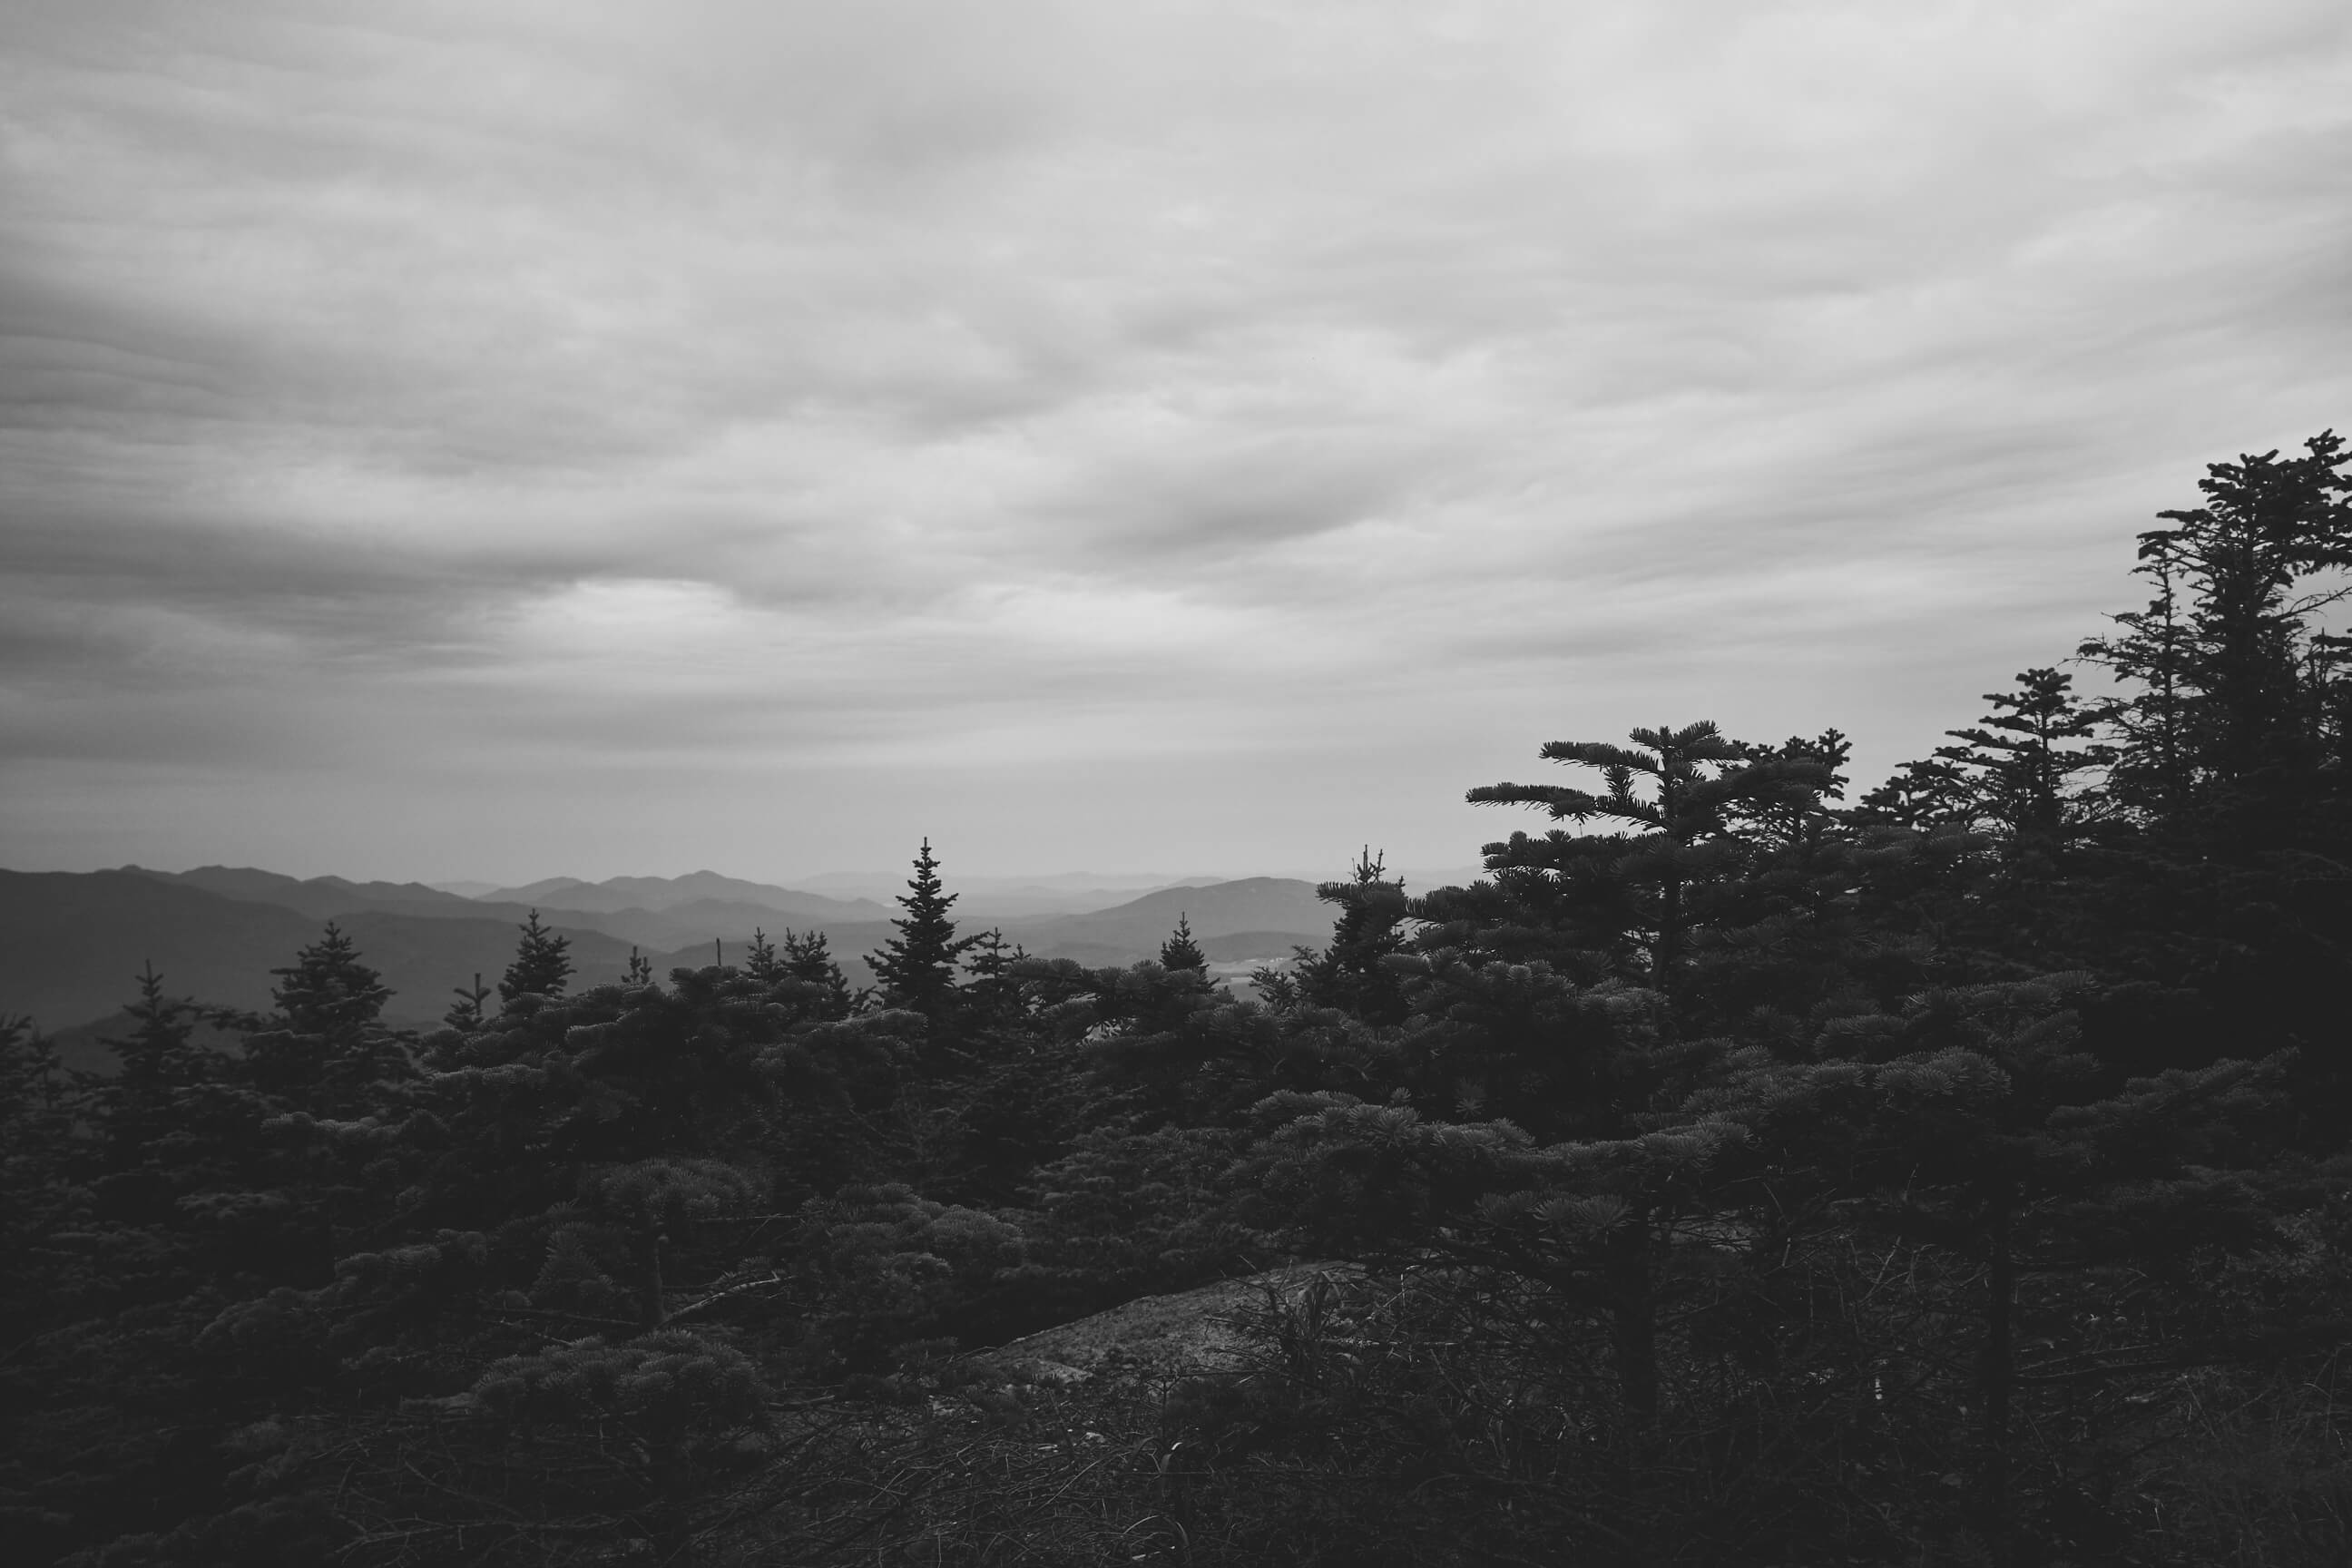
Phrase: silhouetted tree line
[1735,1174]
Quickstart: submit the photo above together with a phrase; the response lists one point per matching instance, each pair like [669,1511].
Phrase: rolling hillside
[70,944]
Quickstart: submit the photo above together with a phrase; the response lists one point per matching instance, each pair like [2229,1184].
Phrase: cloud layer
[525,438]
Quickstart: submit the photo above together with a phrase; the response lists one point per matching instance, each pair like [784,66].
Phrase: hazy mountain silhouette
[324,897]
[1262,905]
[71,942]
[616,895]
[674,925]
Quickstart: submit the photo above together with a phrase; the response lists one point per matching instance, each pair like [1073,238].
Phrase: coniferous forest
[1757,1166]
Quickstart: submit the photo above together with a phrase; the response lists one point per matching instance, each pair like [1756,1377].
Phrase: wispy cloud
[532,439]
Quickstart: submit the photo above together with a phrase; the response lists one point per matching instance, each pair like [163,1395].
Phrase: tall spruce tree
[541,966]
[917,968]
[324,1050]
[2240,691]
[1180,950]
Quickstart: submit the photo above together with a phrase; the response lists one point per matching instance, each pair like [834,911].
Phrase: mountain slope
[71,943]
[322,897]
[661,894]
[676,925]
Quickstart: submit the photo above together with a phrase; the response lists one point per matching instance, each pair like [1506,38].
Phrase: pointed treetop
[1180,950]
[328,990]
[542,964]
[467,1011]
[161,1052]
[917,966]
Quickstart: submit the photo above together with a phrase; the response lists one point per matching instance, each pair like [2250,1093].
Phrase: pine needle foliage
[541,966]
[917,968]
[1180,950]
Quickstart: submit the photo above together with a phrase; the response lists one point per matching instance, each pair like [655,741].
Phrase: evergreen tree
[640,972]
[541,966]
[2241,694]
[160,1063]
[1634,897]
[1925,793]
[808,958]
[1353,974]
[33,1085]
[2223,895]
[467,1011]
[917,968]
[324,1049]
[328,990]
[761,962]
[2019,764]
[1180,950]
[993,994]
[37,1197]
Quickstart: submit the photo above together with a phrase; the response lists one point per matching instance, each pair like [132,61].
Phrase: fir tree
[328,990]
[917,968]
[1352,973]
[641,969]
[1180,950]
[2241,694]
[542,964]
[1633,893]
[32,1082]
[324,1045]
[467,1013]
[161,1061]
[1925,793]
[36,1198]
[993,994]
[808,958]
[2020,761]
[761,962]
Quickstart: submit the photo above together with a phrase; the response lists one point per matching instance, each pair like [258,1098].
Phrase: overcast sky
[511,440]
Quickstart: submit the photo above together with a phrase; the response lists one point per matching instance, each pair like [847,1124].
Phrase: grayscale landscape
[1223,784]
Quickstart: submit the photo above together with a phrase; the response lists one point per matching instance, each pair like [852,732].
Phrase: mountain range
[72,943]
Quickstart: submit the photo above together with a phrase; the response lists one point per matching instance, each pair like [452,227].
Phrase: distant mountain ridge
[616,895]
[679,925]
[71,944]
